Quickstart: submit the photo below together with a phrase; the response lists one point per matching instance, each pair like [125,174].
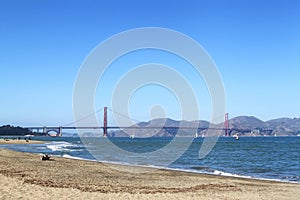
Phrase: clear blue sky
[255,45]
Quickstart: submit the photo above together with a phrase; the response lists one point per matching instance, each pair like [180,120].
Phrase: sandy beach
[26,176]
[21,141]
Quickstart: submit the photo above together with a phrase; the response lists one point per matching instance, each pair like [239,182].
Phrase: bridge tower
[226,125]
[59,131]
[105,122]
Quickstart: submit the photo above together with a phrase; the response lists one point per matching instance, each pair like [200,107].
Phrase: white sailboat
[236,137]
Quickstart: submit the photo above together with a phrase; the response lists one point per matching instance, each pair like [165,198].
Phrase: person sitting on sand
[46,157]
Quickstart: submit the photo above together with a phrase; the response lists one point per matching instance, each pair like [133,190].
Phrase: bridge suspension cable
[83,118]
[123,115]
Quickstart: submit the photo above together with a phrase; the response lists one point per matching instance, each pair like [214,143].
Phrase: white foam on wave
[75,158]
[277,180]
[72,157]
[221,173]
[60,146]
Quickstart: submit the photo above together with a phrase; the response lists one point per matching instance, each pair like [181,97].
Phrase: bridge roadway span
[122,127]
[58,129]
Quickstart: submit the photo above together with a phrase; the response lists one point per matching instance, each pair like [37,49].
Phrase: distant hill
[246,122]
[241,125]
[274,127]
[284,126]
[158,132]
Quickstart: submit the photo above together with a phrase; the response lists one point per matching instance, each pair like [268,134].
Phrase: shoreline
[20,141]
[147,167]
[25,175]
[153,167]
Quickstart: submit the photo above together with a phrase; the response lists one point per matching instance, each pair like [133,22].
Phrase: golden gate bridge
[59,129]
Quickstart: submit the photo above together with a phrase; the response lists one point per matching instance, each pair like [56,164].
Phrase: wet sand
[26,176]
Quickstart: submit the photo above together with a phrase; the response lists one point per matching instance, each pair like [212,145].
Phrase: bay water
[275,158]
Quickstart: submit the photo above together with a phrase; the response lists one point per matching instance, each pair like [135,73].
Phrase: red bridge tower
[226,125]
[105,122]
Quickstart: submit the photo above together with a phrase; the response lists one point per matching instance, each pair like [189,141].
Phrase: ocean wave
[221,173]
[75,157]
[62,147]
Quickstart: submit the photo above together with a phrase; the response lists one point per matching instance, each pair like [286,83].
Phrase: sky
[254,44]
